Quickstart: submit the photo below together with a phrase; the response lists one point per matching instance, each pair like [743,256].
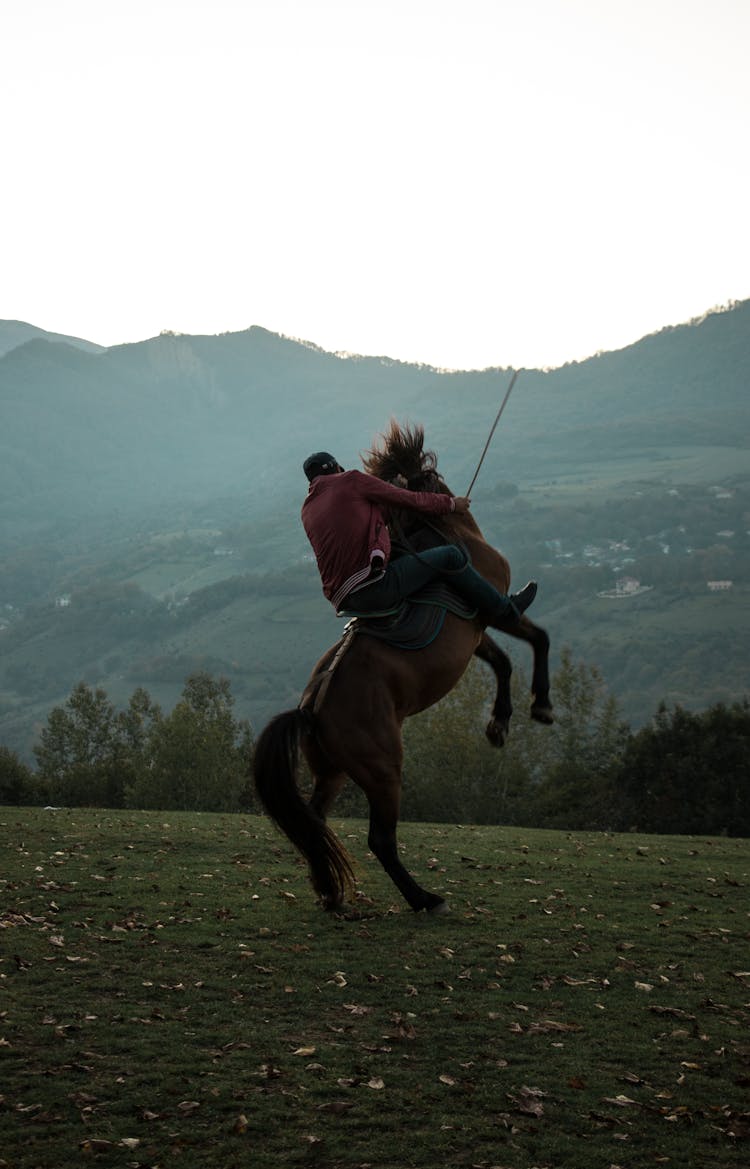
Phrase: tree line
[685,772]
[90,754]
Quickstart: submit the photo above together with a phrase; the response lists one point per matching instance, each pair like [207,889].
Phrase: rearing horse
[353,731]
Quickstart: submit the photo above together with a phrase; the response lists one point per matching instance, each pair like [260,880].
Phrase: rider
[343,516]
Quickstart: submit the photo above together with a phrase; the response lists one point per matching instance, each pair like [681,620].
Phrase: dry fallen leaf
[376,1083]
[547,1025]
[528,1100]
[676,1012]
[93,1145]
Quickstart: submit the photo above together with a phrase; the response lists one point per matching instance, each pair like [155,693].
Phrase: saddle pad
[416,622]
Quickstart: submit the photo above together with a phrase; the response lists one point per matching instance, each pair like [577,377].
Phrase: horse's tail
[275,767]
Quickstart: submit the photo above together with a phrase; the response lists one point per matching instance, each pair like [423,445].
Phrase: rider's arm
[378,491]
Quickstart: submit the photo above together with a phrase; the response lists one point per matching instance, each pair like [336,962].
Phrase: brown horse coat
[355,730]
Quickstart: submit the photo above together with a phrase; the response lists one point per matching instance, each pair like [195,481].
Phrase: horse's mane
[400,455]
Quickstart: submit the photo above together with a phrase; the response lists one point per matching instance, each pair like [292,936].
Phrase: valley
[149,516]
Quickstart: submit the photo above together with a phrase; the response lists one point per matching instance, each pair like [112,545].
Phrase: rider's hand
[461,504]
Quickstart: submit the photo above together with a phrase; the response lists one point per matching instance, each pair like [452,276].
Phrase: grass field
[171,995]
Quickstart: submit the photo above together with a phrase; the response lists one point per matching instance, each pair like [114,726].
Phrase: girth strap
[316,688]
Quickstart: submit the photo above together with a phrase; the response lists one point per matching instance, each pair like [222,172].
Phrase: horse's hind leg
[499,725]
[378,773]
[384,806]
[328,779]
[327,783]
[327,786]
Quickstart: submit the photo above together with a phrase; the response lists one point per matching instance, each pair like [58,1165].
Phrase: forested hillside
[182,418]
[149,499]
[15,333]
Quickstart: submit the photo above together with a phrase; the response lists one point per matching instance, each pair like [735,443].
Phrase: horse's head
[400,458]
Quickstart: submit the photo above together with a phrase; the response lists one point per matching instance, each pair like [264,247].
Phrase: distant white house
[719,586]
[626,586]
[63,601]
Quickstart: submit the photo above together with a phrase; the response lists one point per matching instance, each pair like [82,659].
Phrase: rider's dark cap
[321,463]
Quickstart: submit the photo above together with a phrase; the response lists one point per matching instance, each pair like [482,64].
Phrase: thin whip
[494,425]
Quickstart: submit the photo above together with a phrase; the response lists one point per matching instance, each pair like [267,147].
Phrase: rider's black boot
[522,599]
[514,605]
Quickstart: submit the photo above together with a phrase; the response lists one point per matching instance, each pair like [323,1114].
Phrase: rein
[492,431]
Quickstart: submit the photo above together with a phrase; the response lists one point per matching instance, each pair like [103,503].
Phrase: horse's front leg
[538,639]
[499,725]
[541,707]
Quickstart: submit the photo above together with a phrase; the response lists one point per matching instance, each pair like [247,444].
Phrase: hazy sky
[461,182]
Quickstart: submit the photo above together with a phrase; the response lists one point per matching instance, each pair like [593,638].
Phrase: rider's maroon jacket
[344,517]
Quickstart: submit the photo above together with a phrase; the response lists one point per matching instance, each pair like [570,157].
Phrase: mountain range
[172,467]
[86,431]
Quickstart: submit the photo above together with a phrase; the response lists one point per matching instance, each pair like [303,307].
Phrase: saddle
[415,622]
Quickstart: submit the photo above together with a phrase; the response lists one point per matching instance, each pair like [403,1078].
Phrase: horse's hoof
[332,904]
[441,908]
[429,903]
[543,714]
[497,732]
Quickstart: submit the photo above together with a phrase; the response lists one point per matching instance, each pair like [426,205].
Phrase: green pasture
[170,994]
[164,577]
[615,476]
